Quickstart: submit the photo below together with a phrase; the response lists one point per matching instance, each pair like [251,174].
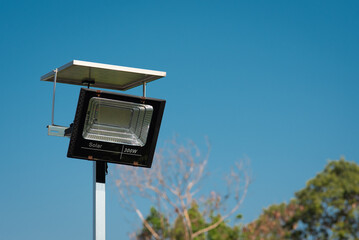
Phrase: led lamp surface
[115,121]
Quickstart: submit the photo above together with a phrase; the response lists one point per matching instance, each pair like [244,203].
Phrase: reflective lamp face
[117,121]
[116,128]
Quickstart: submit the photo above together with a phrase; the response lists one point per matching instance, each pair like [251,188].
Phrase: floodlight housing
[116,128]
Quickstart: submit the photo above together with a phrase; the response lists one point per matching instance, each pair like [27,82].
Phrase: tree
[224,231]
[329,204]
[173,186]
[327,208]
[158,223]
[166,231]
[271,224]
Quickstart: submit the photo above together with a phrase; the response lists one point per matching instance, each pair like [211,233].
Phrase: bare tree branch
[148,226]
[172,184]
[222,218]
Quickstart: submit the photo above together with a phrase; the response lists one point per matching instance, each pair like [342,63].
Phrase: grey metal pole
[144,89]
[99,200]
[53,97]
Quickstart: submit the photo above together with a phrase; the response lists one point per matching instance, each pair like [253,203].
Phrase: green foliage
[158,222]
[198,222]
[271,223]
[330,204]
[223,231]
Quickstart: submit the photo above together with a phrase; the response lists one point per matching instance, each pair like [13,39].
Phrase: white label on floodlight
[95,145]
[130,150]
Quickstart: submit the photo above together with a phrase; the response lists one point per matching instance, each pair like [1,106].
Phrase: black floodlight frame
[93,150]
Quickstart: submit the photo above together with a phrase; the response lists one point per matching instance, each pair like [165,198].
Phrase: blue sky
[274,81]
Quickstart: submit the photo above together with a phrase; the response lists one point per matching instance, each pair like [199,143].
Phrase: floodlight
[108,126]
[115,128]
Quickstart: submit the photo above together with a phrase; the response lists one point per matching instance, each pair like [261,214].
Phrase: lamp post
[109,127]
